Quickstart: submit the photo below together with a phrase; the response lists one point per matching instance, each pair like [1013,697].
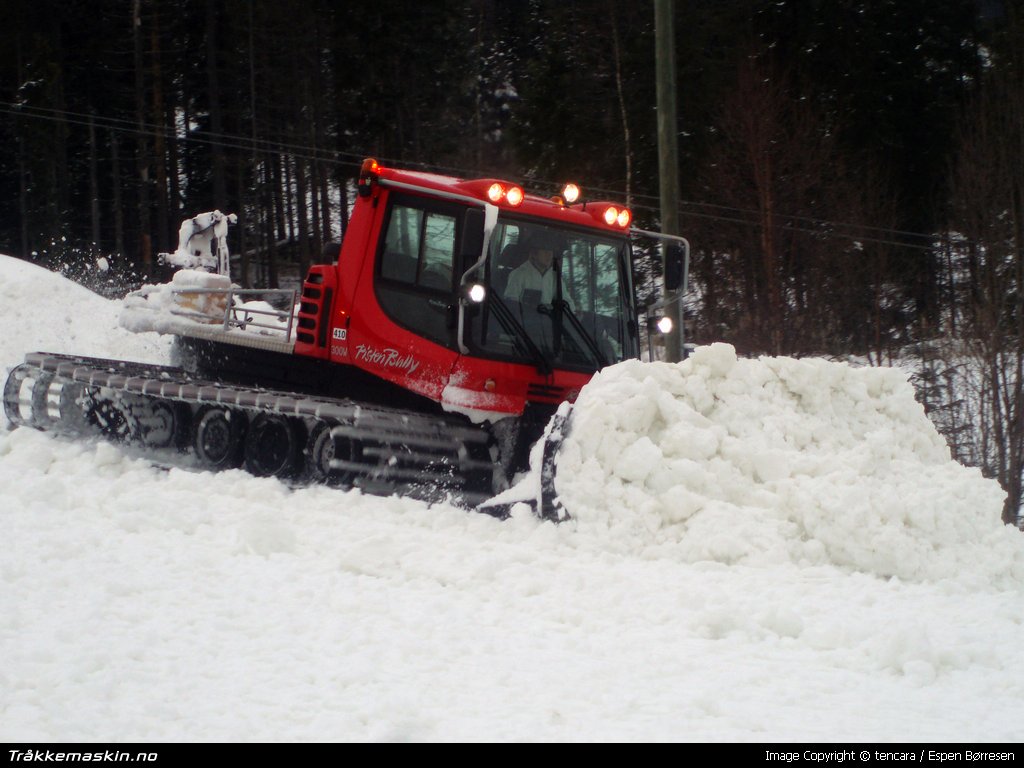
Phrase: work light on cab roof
[511,194]
[617,217]
[368,173]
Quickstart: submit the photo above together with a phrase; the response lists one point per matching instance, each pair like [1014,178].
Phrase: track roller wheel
[273,446]
[319,452]
[163,424]
[218,437]
[105,415]
[321,449]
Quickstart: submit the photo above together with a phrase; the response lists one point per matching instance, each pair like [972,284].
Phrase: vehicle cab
[473,293]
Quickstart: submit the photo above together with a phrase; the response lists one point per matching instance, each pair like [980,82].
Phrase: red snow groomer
[426,360]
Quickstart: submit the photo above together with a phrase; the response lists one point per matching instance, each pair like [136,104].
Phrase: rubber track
[413,453]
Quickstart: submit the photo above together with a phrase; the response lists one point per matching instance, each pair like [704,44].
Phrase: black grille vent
[545,392]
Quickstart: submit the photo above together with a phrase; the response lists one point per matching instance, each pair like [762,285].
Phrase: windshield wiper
[562,306]
[522,339]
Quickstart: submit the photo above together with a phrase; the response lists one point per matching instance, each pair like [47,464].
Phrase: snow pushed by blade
[779,460]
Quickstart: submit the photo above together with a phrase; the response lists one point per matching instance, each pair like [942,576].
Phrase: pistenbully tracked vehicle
[425,360]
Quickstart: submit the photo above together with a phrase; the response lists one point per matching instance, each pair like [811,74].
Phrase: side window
[402,244]
[590,273]
[416,276]
[419,248]
[607,286]
[506,255]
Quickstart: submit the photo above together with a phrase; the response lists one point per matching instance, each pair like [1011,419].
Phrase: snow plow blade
[537,490]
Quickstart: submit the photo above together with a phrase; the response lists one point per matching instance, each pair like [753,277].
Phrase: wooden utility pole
[668,150]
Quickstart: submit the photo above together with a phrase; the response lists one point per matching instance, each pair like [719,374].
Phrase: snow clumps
[775,460]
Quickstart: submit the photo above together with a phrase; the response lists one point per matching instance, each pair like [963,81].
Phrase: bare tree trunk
[142,146]
[115,174]
[273,206]
[289,204]
[303,214]
[277,193]
[26,249]
[325,203]
[173,161]
[243,224]
[254,164]
[623,113]
[94,186]
[770,266]
[59,202]
[343,208]
[23,181]
[216,117]
[313,243]
[159,147]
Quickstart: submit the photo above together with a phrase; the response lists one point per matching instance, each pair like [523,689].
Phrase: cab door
[404,316]
[416,274]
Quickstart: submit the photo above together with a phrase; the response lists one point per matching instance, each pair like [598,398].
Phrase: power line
[742,216]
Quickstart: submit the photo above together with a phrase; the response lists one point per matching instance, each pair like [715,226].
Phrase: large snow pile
[45,312]
[778,460]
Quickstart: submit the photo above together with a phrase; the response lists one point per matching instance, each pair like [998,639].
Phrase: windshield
[557,294]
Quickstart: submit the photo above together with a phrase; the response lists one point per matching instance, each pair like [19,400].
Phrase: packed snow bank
[47,312]
[146,605]
[779,460]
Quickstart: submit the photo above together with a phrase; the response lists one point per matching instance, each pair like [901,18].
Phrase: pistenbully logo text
[389,358]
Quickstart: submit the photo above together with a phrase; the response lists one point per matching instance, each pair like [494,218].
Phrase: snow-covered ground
[760,550]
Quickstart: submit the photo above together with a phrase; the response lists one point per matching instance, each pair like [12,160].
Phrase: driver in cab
[537,273]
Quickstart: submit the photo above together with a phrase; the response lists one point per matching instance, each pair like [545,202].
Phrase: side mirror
[675,256]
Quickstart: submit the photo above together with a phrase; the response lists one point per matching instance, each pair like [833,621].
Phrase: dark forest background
[852,171]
